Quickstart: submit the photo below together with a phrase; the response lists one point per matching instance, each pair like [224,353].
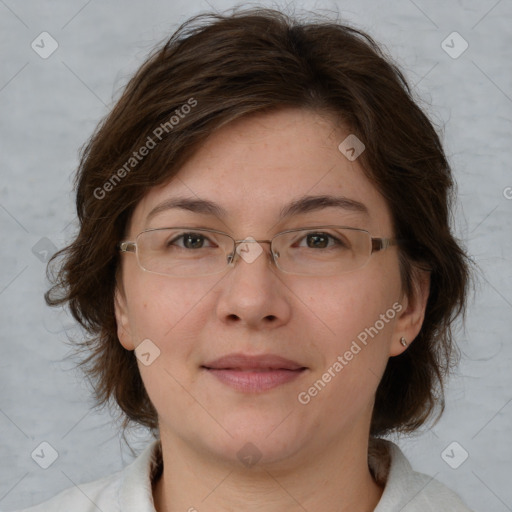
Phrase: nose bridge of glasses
[249,240]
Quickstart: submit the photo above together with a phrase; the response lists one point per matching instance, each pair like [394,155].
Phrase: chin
[254,442]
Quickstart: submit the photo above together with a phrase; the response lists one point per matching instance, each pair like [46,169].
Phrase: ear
[410,318]
[122,319]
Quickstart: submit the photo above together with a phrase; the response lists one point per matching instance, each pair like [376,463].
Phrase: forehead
[254,168]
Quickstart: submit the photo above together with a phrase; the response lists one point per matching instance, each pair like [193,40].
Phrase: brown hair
[225,67]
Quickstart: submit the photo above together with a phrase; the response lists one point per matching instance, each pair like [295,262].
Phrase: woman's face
[254,168]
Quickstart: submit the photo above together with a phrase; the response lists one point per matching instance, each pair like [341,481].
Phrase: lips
[247,363]
[254,373]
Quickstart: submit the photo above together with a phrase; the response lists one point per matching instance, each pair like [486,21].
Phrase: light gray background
[49,107]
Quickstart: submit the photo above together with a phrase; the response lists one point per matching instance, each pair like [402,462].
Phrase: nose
[254,294]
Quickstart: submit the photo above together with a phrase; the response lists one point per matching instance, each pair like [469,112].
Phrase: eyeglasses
[195,252]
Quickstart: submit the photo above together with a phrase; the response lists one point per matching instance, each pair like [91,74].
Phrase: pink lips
[254,373]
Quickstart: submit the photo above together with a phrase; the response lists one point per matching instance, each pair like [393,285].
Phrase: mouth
[252,374]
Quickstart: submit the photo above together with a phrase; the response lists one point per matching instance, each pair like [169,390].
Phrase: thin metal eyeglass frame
[377,244]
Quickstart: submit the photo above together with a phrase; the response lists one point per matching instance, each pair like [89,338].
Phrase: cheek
[158,302]
[168,314]
[350,321]
[173,314]
[353,315]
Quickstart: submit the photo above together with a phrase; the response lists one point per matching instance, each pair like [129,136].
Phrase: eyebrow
[314,203]
[203,206]
[304,204]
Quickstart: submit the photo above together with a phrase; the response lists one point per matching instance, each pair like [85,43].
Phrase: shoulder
[86,497]
[410,491]
[125,491]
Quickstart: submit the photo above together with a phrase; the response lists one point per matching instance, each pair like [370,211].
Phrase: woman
[267,273]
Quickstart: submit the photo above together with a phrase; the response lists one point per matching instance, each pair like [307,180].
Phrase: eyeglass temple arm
[379,244]
[127,246]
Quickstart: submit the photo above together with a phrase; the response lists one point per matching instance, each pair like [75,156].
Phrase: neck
[336,480]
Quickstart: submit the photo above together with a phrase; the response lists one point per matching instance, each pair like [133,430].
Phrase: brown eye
[189,241]
[321,240]
[318,240]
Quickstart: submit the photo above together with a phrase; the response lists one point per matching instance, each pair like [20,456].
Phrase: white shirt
[130,490]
